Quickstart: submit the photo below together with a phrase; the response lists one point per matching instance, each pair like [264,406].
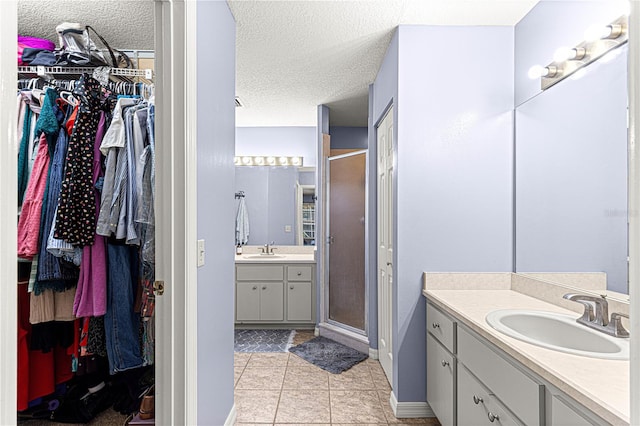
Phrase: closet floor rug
[263,340]
[329,355]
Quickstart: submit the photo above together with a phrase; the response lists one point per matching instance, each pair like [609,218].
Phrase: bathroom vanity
[479,376]
[275,290]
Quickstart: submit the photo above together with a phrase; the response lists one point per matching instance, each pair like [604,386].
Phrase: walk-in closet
[86,236]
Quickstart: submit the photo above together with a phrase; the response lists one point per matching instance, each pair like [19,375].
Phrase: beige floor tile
[268,359]
[306,378]
[296,361]
[380,381]
[356,407]
[257,406]
[261,378]
[240,359]
[303,406]
[356,378]
[237,372]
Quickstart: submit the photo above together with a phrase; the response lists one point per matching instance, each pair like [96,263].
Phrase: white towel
[242,223]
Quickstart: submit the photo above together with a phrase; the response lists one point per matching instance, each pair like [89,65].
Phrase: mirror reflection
[571,167]
[279,203]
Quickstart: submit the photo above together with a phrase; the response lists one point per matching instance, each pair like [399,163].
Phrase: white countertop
[600,385]
[277,258]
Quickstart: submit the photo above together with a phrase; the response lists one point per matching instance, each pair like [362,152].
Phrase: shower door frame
[326,235]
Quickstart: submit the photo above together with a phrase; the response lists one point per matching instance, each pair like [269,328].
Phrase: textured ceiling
[125,24]
[291,55]
[295,55]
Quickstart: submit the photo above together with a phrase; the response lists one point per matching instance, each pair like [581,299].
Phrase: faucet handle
[616,324]
[586,301]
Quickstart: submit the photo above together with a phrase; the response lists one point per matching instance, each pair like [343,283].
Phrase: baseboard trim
[373,353]
[346,337]
[408,410]
[232,417]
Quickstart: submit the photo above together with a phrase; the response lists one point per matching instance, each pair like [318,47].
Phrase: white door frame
[176,349]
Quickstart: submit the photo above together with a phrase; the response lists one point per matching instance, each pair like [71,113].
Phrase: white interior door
[384,137]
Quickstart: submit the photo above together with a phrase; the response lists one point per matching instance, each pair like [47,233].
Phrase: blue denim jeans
[121,323]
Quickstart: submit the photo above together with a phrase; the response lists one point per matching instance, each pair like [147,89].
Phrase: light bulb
[284,160]
[597,32]
[563,53]
[535,72]
[260,160]
[296,161]
[246,160]
[271,160]
[236,161]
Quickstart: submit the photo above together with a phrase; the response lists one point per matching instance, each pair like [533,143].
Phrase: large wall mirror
[280,203]
[571,152]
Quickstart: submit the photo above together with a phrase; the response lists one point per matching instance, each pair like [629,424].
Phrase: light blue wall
[549,25]
[453,190]
[216,33]
[290,141]
[254,181]
[348,137]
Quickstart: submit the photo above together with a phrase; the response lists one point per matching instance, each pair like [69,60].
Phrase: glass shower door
[346,233]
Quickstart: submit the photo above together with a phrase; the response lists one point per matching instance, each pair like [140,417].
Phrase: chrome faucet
[599,320]
[267,249]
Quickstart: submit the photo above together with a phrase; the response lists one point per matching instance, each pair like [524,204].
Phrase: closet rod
[127,72]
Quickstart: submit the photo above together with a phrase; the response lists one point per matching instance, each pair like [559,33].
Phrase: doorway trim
[8,222]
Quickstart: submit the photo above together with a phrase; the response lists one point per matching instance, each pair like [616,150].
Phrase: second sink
[558,332]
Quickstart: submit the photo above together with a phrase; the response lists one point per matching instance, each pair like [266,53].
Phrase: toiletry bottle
[238,249]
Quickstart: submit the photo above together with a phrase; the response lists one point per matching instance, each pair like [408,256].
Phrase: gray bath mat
[331,356]
[263,340]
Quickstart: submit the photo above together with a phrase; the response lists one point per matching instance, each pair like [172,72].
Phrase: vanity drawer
[476,405]
[299,273]
[441,327]
[259,272]
[518,391]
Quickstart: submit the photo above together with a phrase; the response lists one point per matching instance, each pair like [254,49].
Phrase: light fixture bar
[267,160]
[608,38]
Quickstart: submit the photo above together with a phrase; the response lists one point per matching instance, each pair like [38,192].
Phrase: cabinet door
[299,301]
[440,381]
[247,301]
[271,301]
[563,415]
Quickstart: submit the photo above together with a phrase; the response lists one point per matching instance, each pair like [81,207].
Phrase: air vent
[238,102]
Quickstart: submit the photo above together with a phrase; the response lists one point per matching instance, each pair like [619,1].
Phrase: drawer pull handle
[493,417]
[299,273]
[435,325]
[291,288]
[477,400]
[444,363]
[264,288]
[255,287]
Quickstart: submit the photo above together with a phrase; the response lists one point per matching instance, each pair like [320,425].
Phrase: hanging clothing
[29,222]
[91,294]
[242,223]
[76,218]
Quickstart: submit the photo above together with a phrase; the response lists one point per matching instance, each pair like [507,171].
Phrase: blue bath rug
[329,355]
[263,340]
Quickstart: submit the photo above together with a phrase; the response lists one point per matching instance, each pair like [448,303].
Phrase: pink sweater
[29,222]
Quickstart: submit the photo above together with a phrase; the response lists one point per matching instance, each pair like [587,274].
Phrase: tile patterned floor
[282,388]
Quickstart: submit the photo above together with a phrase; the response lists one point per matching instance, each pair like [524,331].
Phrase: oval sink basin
[558,332]
[263,256]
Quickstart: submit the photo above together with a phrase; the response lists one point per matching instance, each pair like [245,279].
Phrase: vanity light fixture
[566,61]
[260,160]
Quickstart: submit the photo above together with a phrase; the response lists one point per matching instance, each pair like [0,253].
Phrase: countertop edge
[580,395]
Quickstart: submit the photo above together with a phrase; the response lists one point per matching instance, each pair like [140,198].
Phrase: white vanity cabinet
[275,294]
[470,382]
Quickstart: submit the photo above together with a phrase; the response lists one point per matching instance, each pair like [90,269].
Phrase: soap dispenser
[239,249]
